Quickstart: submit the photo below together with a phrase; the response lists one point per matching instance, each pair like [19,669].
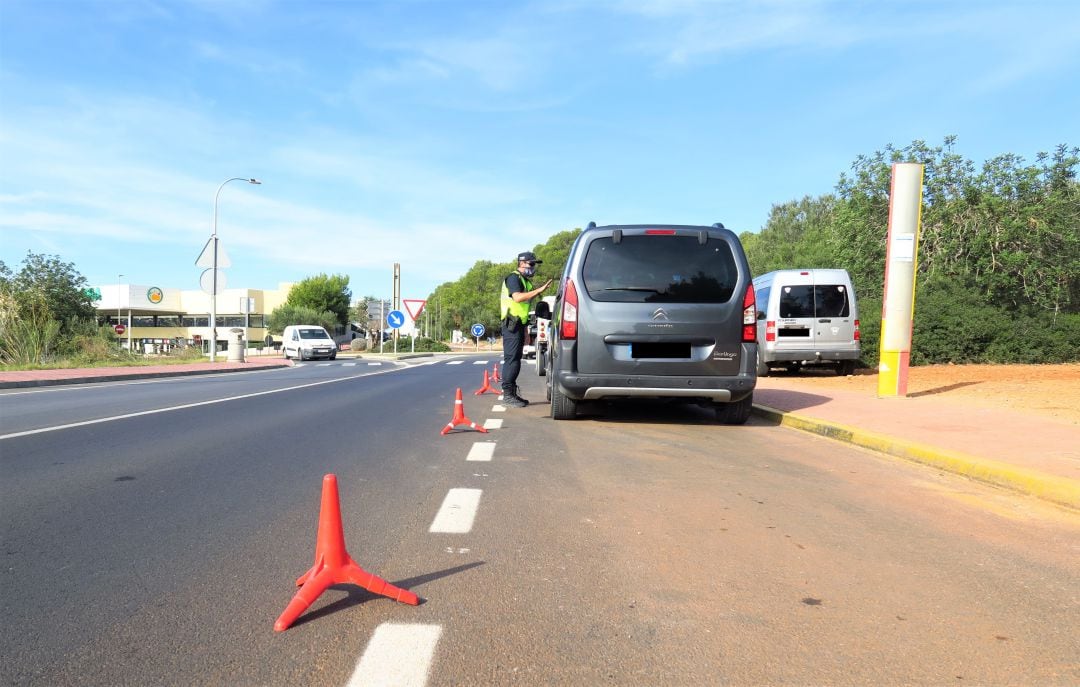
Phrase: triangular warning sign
[413,307]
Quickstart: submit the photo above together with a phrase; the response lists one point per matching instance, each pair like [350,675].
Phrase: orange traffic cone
[486,389]
[495,374]
[333,564]
[459,414]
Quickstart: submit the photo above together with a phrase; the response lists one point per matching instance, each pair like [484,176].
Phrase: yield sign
[414,307]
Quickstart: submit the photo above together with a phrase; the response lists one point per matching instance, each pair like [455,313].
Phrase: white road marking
[348,365]
[125,416]
[457,512]
[397,654]
[374,364]
[493,423]
[480,362]
[323,365]
[481,450]
[498,408]
[455,362]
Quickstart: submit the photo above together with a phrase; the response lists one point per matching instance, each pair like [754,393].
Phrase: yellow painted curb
[1060,490]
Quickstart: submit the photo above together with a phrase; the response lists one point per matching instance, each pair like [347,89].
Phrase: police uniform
[515,323]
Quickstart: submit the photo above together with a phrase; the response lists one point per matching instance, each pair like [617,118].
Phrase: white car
[303,341]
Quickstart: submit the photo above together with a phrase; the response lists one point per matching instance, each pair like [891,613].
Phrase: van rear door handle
[824,321]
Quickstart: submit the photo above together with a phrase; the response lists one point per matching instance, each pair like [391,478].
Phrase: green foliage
[475,297]
[423,345]
[43,308]
[998,261]
[288,314]
[323,293]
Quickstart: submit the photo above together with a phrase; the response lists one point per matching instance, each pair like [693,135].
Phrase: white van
[303,341]
[807,317]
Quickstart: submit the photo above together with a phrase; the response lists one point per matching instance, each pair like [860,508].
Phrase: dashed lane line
[493,423]
[398,654]
[457,512]
[481,451]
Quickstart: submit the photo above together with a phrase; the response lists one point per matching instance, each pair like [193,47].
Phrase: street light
[213,291]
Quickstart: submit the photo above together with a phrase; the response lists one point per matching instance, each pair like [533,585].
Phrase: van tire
[541,364]
[845,368]
[762,368]
[562,408]
[736,412]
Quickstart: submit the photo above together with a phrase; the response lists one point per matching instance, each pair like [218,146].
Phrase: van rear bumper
[590,387]
[809,356]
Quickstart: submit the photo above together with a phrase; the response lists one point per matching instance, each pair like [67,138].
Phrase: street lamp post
[214,273]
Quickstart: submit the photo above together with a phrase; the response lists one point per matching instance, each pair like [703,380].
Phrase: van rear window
[660,269]
[823,300]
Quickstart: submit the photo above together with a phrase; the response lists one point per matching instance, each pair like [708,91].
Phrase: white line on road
[481,450]
[480,362]
[397,655]
[125,416]
[457,512]
[348,364]
[498,408]
[493,423]
[374,364]
[455,362]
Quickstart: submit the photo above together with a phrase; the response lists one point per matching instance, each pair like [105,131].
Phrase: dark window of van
[660,269]
[814,301]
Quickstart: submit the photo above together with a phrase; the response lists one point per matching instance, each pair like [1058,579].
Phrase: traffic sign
[119,329]
[413,307]
[478,330]
[395,318]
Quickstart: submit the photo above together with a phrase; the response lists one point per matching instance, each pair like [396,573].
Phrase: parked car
[654,311]
[304,341]
[807,317]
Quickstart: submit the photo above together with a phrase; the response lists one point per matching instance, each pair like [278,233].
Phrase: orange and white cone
[459,418]
[486,389]
[495,374]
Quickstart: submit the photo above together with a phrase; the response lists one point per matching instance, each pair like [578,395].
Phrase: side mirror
[543,310]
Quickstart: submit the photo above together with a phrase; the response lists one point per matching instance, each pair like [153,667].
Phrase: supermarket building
[155,318]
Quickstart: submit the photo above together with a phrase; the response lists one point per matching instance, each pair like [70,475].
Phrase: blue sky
[436,134]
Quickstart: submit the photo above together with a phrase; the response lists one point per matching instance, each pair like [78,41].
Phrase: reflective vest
[508,306]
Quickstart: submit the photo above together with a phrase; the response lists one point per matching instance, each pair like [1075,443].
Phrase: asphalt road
[153,531]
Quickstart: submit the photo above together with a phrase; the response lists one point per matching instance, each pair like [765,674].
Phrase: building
[155,319]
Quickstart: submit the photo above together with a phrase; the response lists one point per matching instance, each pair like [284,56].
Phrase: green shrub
[424,345]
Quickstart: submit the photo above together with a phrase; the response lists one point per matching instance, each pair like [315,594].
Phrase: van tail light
[770,330]
[749,316]
[568,324]
[857,330]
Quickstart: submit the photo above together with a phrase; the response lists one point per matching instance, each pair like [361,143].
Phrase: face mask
[530,270]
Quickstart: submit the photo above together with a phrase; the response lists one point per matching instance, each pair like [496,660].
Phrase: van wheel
[541,364]
[300,354]
[845,368]
[562,408]
[762,368]
[736,412]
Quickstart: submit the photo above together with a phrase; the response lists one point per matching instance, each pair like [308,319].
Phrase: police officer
[517,293]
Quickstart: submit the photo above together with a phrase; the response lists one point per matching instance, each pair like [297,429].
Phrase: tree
[287,314]
[323,293]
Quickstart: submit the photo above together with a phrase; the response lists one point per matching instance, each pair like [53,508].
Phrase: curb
[1058,490]
[27,383]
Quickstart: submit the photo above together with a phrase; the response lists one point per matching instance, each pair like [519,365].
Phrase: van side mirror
[543,310]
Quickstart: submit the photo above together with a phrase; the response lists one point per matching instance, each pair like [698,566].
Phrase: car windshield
[313,334]
[660,269]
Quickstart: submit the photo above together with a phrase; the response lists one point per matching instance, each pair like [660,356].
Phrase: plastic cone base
[333,565]
[459,418]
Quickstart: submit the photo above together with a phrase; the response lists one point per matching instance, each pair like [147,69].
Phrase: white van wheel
[736,412]
[762,368]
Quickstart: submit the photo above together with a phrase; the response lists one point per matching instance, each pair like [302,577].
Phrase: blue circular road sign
[478,330]
[395,318]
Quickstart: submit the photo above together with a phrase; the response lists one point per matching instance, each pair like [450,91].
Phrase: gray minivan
[653,311]
[807,317]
